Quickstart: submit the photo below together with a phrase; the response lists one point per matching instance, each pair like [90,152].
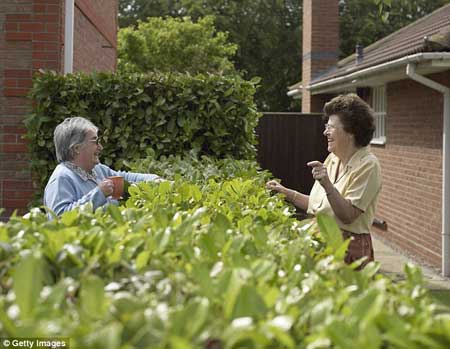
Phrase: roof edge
[415,58]
[386,38]
[381,41]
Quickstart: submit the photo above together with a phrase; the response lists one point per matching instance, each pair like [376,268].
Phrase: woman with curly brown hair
[349,181]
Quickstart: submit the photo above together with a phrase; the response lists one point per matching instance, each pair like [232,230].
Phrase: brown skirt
[360,246]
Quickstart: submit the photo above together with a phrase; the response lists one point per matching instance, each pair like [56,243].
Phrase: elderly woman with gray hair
[80,178]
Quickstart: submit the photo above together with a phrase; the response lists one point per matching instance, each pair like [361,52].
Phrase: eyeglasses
[96,141]
[330,127]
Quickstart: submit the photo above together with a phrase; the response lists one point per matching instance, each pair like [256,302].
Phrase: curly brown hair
[356,117]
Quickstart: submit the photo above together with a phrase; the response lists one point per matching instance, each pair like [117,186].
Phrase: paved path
[392,263]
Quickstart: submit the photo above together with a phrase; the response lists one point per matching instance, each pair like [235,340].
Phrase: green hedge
[199,169]
[169,113]
[211,263]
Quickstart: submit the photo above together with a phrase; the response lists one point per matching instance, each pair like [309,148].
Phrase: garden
[207,259]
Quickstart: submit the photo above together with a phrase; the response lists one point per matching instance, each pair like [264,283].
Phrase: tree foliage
[175,44]
[131,11]
[365,22]
[421,6]
[268,35]
[269,32]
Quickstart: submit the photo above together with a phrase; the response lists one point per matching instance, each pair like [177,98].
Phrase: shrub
[198,169]
[215,263]
[169,113]
[175,44]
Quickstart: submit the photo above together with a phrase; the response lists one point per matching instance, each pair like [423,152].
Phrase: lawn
[442,296]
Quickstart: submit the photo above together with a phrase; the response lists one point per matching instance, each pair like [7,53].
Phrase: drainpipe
[68,36]
[410,71]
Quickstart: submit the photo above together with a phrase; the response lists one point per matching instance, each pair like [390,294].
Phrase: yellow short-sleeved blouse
[359,183]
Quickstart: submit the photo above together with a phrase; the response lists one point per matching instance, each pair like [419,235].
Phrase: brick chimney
[320,46]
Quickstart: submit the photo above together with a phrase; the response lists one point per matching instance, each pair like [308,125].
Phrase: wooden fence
[287,141]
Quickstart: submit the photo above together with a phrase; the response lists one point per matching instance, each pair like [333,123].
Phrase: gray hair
[70,133]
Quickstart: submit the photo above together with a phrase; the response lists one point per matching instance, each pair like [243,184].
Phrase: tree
[267,32]
[131,11]
[364,22]
[422,7]
[175,44]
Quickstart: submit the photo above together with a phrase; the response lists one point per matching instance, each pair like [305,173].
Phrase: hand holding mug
[107,187]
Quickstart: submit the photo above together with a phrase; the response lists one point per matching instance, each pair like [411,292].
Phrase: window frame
[379,106]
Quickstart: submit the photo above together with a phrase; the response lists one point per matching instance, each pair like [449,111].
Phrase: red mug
[118,183]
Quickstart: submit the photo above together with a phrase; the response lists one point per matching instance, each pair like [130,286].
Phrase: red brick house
[405,77]
[60,35]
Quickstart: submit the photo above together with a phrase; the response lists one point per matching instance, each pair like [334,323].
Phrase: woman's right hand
[107,187]
[274,185]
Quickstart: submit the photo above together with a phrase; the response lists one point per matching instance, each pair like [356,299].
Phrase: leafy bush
[169,113]
[198,169]
[175,44]
[211,264]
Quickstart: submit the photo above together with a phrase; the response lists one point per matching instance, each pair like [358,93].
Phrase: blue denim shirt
[67,189]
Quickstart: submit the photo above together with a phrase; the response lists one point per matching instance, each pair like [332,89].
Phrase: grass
[442,296]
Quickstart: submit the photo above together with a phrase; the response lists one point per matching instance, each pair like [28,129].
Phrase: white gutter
[68,36]
[294,92]
[378,68]
[410,71]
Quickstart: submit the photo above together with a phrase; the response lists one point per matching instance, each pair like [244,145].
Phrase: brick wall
[320,46]
[95,35]
[31,38]
[411,163]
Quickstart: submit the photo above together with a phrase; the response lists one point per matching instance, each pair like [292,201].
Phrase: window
[379,108]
